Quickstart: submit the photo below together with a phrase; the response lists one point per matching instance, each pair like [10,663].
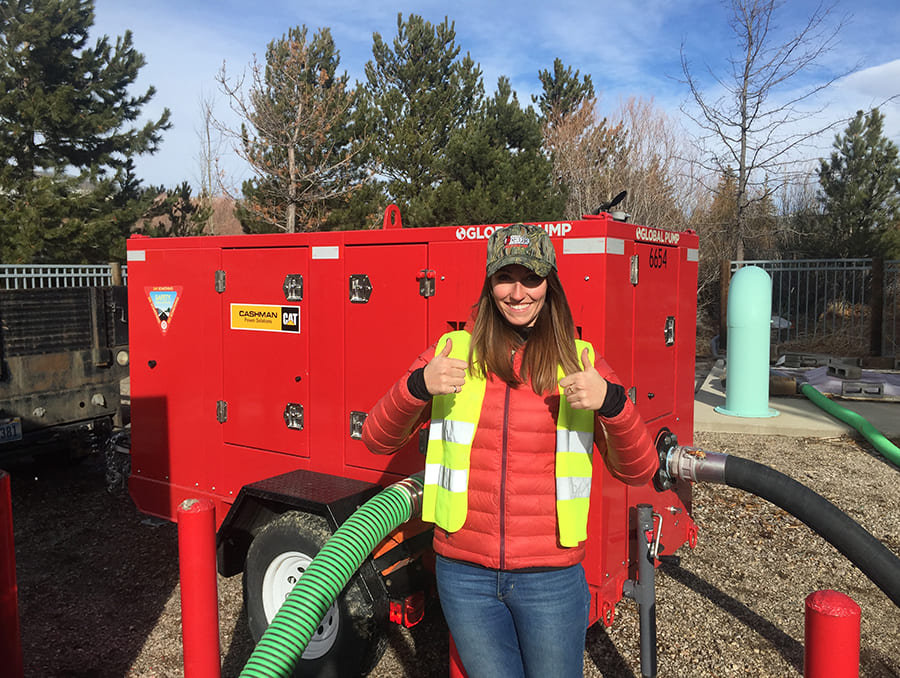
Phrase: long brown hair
[550,343]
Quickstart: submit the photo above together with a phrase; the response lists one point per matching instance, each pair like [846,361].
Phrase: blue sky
[629,47]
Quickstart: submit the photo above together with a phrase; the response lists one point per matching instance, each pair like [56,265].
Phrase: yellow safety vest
[454,419]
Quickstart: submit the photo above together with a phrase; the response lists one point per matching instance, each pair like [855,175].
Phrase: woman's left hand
[585,390]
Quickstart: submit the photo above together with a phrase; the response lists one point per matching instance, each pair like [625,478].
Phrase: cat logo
[290,319]
[265,318]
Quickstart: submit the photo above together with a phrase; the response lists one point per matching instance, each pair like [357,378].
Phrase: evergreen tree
[495,169]
[295,135]
[563,93]
[418,94]
[174,213]
[69,193]
[861,191]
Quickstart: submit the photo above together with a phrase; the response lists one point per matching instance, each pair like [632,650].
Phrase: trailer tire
[349,641]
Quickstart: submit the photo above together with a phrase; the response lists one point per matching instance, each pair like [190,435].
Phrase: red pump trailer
[254,359]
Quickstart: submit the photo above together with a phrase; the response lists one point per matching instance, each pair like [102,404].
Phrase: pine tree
[495,170]
[68,187]
[861,191]
[418,94]
[174,213]
[563,93]
[295,135]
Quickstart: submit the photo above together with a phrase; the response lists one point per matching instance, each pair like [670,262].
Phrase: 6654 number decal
[658,257]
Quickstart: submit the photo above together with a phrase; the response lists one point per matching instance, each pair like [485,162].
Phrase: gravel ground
[98,582]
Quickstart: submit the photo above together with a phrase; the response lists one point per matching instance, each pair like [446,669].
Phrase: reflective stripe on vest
[454,421]
[454,418]
[574,463]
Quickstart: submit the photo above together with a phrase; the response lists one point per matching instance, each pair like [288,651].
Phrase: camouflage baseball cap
[523,244]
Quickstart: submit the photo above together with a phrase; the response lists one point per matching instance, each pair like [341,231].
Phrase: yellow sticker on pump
[265,317]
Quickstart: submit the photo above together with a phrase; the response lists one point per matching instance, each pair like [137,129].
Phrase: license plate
[10,430]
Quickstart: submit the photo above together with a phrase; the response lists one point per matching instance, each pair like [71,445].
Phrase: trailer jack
[643,591]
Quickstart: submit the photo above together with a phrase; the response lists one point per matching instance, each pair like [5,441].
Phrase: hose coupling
[695,465]
[414,486]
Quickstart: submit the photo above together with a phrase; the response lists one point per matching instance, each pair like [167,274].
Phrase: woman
[514,402]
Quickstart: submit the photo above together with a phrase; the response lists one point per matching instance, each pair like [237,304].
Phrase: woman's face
[519,293]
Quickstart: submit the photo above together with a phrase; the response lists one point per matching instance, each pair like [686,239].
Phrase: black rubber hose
[872,557]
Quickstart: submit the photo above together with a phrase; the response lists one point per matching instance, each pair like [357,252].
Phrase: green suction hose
[860,423]
[278,651]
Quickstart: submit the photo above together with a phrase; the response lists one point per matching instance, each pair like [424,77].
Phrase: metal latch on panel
[426,282]
[669,330]
[360,288]
[220,281]
[634,269]
[357,419]
[221,411]
[293,416]
[293,287]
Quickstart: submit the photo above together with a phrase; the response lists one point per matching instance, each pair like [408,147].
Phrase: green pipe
[857,421]
[283,642]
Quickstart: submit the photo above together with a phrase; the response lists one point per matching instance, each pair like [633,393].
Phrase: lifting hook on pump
[606,206]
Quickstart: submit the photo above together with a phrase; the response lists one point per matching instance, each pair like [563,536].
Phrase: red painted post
[10,638]
[456,667]
[199,589]
[831,636]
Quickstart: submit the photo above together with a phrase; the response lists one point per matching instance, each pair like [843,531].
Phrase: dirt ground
[99,594]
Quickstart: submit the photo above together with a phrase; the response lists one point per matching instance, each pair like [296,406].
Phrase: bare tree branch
[757,126]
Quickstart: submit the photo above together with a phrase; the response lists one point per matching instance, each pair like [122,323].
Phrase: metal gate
[830,305]
[31,276]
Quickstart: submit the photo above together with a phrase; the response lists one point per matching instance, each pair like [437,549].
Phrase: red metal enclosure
[252,356]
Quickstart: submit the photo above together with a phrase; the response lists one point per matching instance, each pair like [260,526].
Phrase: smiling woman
[507,477]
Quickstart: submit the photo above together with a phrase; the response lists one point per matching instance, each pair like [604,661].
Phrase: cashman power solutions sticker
[265,318]
[163,300]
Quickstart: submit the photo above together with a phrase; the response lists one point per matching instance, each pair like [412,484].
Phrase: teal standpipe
[747,362]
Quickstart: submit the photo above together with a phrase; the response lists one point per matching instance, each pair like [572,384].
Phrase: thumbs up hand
[444,374]
[585,390]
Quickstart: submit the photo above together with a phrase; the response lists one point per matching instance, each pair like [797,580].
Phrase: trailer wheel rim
[279,580]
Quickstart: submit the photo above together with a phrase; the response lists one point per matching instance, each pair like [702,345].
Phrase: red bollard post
[10,638]
[831,636]
[199,588]
[456,667]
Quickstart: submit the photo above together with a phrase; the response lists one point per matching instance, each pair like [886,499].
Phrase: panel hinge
[426,282]
[293,287]
[669,330]
[221,411]
[220,281]
[293,416]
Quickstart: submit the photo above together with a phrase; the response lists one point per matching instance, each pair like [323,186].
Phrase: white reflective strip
[462,432]
[615,246]
[574,441]
[326,252]
[584,245]
[573,488]
[136,255]
[452,481]
[693,255]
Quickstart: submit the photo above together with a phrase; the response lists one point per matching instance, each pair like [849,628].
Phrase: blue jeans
[515,624]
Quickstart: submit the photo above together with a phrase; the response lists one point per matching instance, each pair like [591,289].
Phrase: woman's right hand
[444,374]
